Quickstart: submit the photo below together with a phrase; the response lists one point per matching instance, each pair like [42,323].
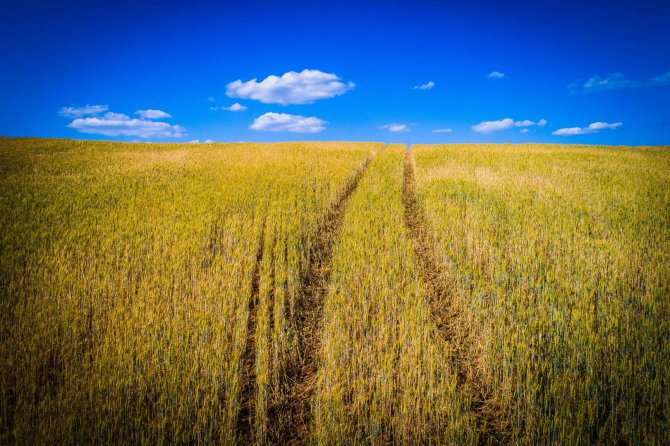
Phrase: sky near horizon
[595,72]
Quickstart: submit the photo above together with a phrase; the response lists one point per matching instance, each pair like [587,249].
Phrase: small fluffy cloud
[87,110]
[496,75]
[118,124]
[304,87]
[493,126]
[427,86]
[236,107]
[613,81]
[283,122]
[594,127]
[152,114]
[524,131]
[504,124]
[395,127]
[442,131]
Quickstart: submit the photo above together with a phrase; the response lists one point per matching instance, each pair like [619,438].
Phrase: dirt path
[444,313]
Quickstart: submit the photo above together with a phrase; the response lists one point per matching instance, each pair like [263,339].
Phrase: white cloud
[524,131]
[290,88]
[496,75]
[570,131]
[493,126]
[152,114]
[197,141]
[442,131]
[594,127]
[283,122]
[613,81]
[427,86]
[504,124]
[234,108]
[211,99]
[76,112]
[663,79]
[609,82]
[118,124]
[395,127]
[111,116]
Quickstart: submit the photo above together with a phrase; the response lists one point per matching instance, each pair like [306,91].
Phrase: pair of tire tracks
[444,314]
[293,426]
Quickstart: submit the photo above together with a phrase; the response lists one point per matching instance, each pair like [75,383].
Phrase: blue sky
[594,72]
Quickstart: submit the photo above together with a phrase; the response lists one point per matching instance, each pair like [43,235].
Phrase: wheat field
[333,293]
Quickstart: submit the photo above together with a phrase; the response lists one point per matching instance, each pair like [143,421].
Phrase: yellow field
[333,293]
[559,260]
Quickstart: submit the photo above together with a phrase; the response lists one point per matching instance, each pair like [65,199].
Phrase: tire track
[295,412]
[444,314]
[247,413]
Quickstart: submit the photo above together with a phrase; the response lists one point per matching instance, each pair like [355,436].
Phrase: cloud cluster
[594,127]
[76,112]
[283,122]
[613,81]
[304,87]
[504,124]
[427,86]
[90,120]
[236,107]
[395,128]
[496,75]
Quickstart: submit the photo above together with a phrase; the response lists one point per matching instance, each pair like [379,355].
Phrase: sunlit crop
[384,374]
[126,276]
[559,258]
[333,293]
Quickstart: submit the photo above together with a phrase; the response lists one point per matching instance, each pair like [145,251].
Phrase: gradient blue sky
[571,63]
